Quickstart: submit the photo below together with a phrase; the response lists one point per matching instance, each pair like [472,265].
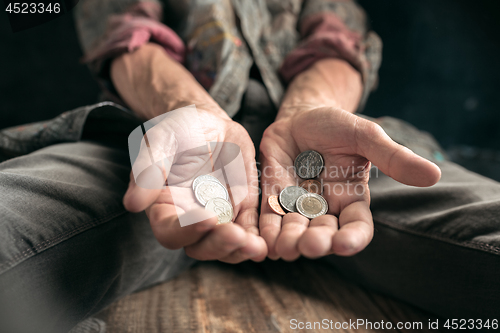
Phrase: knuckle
[225,247]
[279,247]
[190,253]
[268,138]
[169,245]
[193,253]
[167,241]
[374,130]
[268,231]
[154,216]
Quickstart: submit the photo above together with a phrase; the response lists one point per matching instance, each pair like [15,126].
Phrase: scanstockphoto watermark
[328,324]
[430,324]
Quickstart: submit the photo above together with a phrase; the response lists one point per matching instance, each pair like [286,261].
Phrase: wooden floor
[250,297]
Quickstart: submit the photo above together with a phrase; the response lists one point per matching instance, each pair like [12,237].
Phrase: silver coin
[201,178]
[208,189]
[222,208]
[312,205]
[309,164]
[288,197]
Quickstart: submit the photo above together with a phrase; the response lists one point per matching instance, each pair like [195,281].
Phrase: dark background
[440,72]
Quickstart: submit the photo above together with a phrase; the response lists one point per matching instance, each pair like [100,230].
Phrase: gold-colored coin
[312,205]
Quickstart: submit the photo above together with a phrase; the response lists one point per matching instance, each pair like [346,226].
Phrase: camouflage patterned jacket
[218,41]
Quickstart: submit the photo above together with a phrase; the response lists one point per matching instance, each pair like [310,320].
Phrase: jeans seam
[469,244]
[38,248]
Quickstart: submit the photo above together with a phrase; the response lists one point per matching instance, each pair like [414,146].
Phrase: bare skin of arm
[328,82]
[152,83]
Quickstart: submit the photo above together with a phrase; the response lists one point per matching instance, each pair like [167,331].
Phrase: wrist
[327,83]
[152,83]
[212,108]
[168,103]
[287,111]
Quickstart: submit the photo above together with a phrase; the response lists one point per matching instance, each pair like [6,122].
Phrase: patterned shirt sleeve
[335,29]
[109,28]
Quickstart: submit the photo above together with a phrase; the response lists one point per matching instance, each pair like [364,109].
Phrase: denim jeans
[68,248]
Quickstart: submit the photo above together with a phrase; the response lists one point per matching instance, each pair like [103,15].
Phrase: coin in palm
[208,189]
[309,164]
[222,208]
[201,178]
[275,205]
[288,197]
[312,186]
[312,205]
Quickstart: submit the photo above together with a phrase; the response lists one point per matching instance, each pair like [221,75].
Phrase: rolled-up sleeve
[109,28]
[335,29]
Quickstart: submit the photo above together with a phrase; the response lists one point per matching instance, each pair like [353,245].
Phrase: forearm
[328,82]
[152,83]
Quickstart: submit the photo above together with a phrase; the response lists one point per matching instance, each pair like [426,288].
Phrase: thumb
[147,179]
[393,159]
[144,191]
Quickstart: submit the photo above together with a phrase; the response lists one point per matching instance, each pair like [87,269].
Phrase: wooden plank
[250,297]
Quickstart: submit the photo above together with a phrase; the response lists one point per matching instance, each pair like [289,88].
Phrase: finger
[138,198]
[292,228]
[255,249]
[393,159]
[168,231]
[248,217]
[219,242]
[269,221]
[356,229]
[270,227]
[317,239]
[248,220]
[157,150]
[274,179]
[150,168]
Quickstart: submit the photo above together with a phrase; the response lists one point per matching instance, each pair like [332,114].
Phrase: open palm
[183,147]
[348,144]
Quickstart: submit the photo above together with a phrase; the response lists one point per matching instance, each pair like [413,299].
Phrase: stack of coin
[210,193]
[306,198]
